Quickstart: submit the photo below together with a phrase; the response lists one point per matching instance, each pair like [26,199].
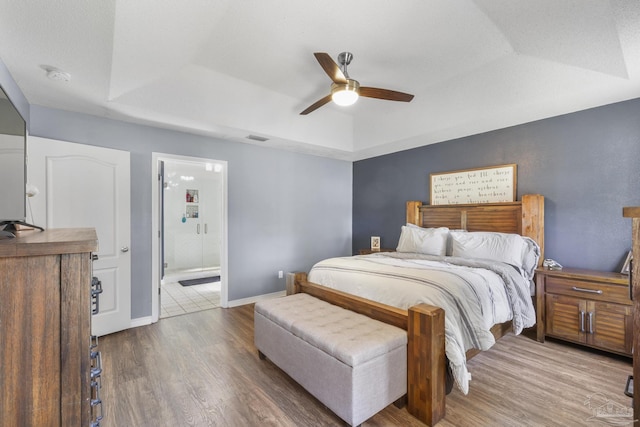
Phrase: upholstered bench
[353,364]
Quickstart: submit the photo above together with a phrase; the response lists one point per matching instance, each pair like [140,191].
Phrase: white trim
[147,320]
[141,321]
[251,300]
[155,226]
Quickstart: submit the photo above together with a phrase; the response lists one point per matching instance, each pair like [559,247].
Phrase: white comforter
[475,294]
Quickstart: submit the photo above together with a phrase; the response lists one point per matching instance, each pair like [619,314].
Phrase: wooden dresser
[586,307]
[45,329]
[633,212]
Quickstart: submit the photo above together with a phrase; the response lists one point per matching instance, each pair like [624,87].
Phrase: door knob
[124,249]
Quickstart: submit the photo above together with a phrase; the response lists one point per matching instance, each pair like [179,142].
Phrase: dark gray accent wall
[586,164]
[286,210]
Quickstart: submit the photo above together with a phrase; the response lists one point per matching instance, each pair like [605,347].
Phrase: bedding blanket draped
[475,294]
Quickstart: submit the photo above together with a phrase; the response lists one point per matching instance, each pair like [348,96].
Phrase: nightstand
[369,251]
[587,307]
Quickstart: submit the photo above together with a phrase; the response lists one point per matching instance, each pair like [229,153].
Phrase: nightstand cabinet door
[612,326]
[566,317]
[586,307]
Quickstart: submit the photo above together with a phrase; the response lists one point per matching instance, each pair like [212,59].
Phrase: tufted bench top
[350,337]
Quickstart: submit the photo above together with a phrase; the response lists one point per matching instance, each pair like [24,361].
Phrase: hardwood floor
[201,369]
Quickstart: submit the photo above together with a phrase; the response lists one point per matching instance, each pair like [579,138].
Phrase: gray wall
[286,210]
[585,164]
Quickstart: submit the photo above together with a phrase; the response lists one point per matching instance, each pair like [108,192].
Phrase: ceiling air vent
[257,138]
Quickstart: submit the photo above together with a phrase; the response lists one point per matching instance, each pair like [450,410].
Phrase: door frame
[156,232]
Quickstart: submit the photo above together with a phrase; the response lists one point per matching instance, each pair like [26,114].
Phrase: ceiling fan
[345,90]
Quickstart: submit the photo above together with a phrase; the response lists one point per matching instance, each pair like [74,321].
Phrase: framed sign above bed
[494,184]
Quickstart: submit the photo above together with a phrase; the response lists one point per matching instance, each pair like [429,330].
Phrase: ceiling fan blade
[319,103]
[330,67]
[390,95]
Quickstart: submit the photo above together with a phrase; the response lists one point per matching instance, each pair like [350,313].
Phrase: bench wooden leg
[426,365]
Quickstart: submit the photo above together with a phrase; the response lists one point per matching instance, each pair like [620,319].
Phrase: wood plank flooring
[202,369]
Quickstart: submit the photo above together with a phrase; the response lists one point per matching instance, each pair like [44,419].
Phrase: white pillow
[501,247]
[428,241]
[450,241]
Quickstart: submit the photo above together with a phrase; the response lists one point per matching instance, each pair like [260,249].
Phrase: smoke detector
[58,75]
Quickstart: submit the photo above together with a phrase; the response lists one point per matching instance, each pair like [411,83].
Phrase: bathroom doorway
[190,211]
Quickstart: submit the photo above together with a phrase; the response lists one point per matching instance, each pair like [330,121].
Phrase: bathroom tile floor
[176,299]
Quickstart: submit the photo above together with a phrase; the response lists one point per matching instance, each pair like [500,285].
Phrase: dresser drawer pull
[96,364]
[582,321]
[96,405]
[95,373]
[96,290]
[589,291]
[96,402]
[591,322]
[96,360]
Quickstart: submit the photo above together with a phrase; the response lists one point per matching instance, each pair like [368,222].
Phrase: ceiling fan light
[345,97]
[345,94]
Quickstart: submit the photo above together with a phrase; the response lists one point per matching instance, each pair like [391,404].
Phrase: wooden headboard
[525,217]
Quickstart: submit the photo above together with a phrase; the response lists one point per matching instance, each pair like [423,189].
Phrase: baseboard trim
[148,320]
[251,300]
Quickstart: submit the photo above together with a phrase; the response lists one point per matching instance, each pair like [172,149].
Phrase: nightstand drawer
[597,291]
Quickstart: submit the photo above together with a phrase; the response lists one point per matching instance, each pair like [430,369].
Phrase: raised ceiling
[236,68]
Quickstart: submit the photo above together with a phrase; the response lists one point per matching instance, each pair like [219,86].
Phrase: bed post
[533,220]
[292,282]
[426,372]
[413,213]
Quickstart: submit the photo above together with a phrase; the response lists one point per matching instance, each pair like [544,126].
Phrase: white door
[85,186]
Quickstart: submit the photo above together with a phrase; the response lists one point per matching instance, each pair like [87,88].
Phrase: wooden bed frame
[426,361]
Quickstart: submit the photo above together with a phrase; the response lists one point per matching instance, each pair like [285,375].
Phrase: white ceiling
[234,68]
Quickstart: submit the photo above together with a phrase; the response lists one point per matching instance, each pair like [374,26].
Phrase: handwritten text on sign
[490,185]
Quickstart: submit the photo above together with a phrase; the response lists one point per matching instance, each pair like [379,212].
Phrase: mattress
[475,294]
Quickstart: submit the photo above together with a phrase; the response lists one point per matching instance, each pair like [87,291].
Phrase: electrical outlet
[280,274]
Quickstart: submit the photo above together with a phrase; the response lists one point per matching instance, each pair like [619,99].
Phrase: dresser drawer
[593,290]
